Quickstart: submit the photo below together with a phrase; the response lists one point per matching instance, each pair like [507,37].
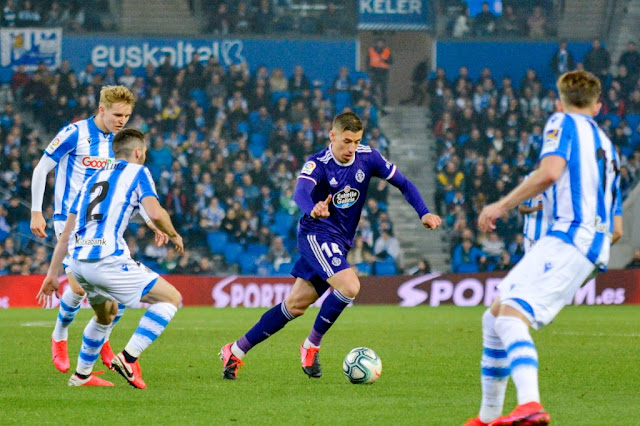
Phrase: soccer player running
[101,262]
[579,170]
[77,152]
[535,222]
[331,191]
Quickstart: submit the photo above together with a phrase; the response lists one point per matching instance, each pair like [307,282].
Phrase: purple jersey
[347,184]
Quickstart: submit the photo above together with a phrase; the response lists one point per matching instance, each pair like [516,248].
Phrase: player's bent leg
[69,306]
[346,286]
[106,353]
[165,300]
[302,295]
[92,340]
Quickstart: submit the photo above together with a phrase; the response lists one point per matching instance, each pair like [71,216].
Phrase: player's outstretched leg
[343,282]
[494,373]
[69,306]
[523,361]
[270,323]
[106,353]
[92,340]
[165,300]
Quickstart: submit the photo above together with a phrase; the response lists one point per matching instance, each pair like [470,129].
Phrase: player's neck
[571,109]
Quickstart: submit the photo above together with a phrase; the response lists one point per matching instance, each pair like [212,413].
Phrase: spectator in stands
[597,60]
[361,252]
[241,19]
[418,84]
[278,82]
[28,15]
[220,21]
[263,19]
[635,260]
[509,23]
[278,253]
[387,246]
[379,65]
[203,267]
[537,23]
[331,20]
[462,24]
[562,60]
[630,58]
[484,22]
[423,267]
[9,14]
[467,258]
[504,262]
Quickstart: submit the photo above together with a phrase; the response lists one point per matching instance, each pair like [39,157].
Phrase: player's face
[344,144]
[116,117]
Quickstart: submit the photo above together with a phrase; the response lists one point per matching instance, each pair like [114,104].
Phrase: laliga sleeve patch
[551,140]
[308,167]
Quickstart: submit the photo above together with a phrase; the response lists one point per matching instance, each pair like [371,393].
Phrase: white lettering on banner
[4,302]
[411,296]
[474,286]
[586,295]
[181,54]
[441,290]
[251,295]
[491,290]
[387,7]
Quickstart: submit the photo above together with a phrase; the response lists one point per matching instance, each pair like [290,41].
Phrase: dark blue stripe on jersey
[68,308]
[146,333]
[91,342]
[156,318]
[64,320]
[525,306]
[522,362]
[127,201]
[71,159]
[84,198]
[145,184]
[495,353]
[601,211]
[103,208]
[574,176]
[498,373]
[148,287]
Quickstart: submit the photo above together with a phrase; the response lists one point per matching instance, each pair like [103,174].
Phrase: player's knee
[175,298]
[296,308]
[351,291]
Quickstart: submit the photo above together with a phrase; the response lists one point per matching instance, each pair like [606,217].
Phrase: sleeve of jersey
[410,192]
[558,134]
[146,185]
[74,206]
[302,195]
[310,171]
[382,167]
[64,142]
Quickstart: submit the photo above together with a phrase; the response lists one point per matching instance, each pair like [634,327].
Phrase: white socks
[151,325]
[92,340]
[69,305]
[522,356]
[495,370]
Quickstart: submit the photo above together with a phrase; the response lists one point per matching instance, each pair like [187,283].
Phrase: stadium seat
[217,241]
[364,268]
[633,120]
[23,231]
[343,99]
[254,116]
[248,263]
[232,252]
[200,96]
[614,118]
[257,249]
[243,127]
[265,269]
[385,267]
[282,223]
[275,96]
[284,268]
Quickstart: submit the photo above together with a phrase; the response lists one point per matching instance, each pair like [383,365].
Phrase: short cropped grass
[589,370]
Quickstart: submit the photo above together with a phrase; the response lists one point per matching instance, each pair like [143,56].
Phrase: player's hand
[488,216]
[431,221]
[50,285]
[38,224]
[177,241]
[161,238]
[321,209]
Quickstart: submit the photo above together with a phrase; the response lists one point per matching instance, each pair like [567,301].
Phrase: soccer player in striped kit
[77,152]
[331,191]
[535,222]
[579,172]
[101,263]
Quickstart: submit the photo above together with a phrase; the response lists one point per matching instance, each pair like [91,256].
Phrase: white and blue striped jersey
[535,223]
[80,149]
[104,206]
[586,197]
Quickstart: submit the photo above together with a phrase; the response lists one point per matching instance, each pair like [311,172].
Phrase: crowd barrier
[610,288]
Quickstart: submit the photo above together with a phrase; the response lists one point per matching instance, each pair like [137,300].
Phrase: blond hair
[110,95]
[579,88]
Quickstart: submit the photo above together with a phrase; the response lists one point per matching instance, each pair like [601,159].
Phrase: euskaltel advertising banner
[610,288]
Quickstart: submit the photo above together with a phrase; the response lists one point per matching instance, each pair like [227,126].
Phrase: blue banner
[30,47]
[321,60]
[397,15]
[504,58]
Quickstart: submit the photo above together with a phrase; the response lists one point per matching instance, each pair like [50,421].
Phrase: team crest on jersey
[359,175]
[336,261]
[346,198]
[308,167]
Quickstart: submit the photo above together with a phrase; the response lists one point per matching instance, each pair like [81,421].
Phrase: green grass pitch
[589,370]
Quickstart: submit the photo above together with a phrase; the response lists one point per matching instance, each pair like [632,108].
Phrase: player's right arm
[307,180]
[50,283]
[64,142]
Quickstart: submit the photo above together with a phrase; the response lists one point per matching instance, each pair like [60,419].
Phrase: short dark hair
[347,121]
[125,141]
[579,88]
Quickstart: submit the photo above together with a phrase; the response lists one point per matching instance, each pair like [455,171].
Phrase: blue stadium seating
[282,223]
[248,263]
[633,120]
[200,96]
[364,268]
[232,252]
[257,249]
[385,267]
[285,268]
[217,241]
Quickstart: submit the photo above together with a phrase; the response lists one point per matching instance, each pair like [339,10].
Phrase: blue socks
[331,309]
[271,322]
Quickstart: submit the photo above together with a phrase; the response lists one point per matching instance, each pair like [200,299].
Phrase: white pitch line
[38,324]
[576,333]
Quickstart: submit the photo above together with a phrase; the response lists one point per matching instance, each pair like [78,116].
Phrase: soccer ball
[362,365]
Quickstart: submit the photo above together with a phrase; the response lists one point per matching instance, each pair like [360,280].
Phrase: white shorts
[114,277]
[528,244]
[544,280]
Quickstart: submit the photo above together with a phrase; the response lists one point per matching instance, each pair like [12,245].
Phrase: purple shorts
[321,257]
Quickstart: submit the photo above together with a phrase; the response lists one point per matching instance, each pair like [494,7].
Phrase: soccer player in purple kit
[331,191]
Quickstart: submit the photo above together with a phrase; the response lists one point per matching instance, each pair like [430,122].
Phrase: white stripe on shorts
[317,251]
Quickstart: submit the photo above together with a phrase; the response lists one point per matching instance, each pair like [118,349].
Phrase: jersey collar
[339,163]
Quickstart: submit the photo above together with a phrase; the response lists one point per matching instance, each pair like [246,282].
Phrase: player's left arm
[160,237]
[617,214]
[50,283]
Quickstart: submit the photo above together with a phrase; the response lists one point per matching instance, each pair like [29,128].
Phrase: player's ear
[332,135]
[559,107]
[596,108]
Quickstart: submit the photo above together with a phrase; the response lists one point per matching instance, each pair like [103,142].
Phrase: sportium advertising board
[321,60]
[610,288]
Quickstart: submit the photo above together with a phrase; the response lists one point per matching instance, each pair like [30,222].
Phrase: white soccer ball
[362,365]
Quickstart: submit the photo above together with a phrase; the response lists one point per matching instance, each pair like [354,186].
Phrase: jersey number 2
[104,188]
